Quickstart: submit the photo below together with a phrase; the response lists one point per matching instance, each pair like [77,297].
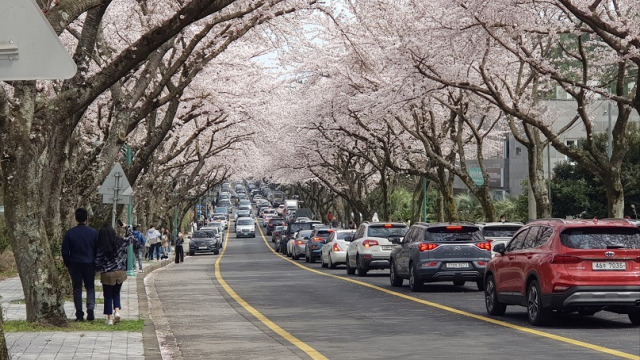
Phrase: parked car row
[548,265]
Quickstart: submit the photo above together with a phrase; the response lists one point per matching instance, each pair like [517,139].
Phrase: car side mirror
[396,240]
[500,248]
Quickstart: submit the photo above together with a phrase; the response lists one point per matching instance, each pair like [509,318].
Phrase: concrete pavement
[96,345]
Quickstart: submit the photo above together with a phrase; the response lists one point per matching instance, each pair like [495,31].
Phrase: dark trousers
[111,298]
[179,254]
[155,249]
[83,273]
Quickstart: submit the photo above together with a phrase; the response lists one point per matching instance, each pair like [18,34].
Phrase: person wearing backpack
[138,247]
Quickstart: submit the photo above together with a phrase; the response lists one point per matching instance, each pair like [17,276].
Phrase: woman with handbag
[111,262]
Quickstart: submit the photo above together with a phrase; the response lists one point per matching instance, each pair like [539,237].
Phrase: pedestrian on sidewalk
[79,256]
[166,242]
[179,250]
[154,240]
[111,262]
[139,246]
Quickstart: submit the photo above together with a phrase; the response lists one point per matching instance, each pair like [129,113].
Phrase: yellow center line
[462,312]
[313,353]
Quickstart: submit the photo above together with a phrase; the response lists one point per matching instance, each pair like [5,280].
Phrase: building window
[518,151]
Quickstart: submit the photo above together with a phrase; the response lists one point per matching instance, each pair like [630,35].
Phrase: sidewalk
[60,345]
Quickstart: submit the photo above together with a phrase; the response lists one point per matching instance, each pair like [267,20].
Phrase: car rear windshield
[500,231]
[295,227]
[343,235]
[324,233]
[219,217]
[245,222]
[454,233]
[305,233]
[384,231]
[601,238]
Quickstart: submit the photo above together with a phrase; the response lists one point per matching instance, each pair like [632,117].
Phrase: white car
[372,245]
[499,232]
[221,218]
[334,251]
[245,226]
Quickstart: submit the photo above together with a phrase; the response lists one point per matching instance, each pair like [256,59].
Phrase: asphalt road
[291,309]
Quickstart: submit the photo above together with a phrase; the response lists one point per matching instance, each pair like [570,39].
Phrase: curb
[149,337]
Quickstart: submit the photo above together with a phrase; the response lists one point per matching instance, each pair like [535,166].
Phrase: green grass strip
[96,325]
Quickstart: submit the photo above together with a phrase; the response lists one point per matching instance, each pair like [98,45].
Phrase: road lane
[338,317]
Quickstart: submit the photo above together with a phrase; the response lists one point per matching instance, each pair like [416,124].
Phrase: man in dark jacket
[79,255]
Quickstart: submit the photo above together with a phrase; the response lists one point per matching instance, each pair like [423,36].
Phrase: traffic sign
[116,178]
[29,47]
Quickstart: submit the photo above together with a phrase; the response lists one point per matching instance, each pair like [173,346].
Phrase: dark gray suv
[440,252]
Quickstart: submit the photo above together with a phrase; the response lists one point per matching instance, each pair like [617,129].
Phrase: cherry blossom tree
[131,76]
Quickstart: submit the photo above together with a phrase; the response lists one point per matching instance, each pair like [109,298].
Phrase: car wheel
[634,317]
[306,258]
[494,307]
[322,263]
[393,275]
[216,252]
[312,259]
[537,315]
[458,282]
[331,264]
[415,283]
[350,270]
[359,268]
[295,256]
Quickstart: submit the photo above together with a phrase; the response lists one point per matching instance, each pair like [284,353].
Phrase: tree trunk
[484,197]
[24,161]
[4,354]
[615,195]
[538,183]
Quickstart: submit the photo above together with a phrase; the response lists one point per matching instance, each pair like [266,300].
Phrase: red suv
[568,265]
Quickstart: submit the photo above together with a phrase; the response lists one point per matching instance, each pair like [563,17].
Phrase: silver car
[499,232]
[334,251]
[245,226]
[298,245]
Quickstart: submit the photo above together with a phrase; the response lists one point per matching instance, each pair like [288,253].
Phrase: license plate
[609,265]
[387,247]
[202,248]
[457,265]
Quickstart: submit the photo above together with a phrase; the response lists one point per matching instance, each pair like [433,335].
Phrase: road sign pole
[131,260]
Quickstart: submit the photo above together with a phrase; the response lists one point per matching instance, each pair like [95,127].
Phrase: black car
[203,241]
[293,228]
[440,252]
[273,222]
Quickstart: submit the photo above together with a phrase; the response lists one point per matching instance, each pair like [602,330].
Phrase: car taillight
[484,245]
[457,227]
[336,247]
[561,287]
[300,242]
[427,246]
[369,243]
[318,239]
[565,259]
